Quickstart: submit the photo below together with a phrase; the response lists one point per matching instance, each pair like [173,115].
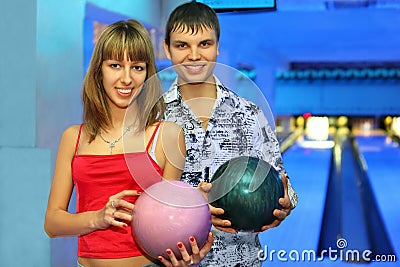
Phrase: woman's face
[122,80]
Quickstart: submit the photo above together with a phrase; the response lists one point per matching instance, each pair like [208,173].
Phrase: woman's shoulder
[170,126]
[168,129]
[164,125]
[69,140]
[72,132]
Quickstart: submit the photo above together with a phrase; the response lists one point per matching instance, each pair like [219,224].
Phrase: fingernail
[139,192]
[191,239]
[160,258]
[180,245]
[169,251]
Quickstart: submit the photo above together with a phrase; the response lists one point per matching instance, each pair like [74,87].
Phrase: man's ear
[166,50]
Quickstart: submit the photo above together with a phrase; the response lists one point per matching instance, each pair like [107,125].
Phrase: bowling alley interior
[325,72]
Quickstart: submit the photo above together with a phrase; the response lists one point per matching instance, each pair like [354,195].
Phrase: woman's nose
[126,76]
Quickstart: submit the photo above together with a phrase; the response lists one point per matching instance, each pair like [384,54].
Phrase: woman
[122,116]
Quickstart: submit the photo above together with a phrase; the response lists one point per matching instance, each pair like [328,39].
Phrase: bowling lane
[309,170]
[382,160]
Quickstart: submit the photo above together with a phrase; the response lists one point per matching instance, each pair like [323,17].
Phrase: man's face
[193,54]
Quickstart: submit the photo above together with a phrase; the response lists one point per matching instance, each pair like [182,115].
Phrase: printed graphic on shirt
[238,123]
[236,127]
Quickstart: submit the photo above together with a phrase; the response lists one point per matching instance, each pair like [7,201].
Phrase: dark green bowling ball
[248,189]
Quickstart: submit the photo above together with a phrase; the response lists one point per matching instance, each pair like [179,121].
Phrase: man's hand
[220,224]
[281,214]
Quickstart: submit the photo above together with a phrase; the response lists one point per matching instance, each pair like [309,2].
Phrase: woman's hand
[188,260]
[117,211]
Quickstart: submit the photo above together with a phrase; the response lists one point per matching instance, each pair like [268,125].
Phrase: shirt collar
[174,94]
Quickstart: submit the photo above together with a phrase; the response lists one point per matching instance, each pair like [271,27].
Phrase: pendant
[112,145]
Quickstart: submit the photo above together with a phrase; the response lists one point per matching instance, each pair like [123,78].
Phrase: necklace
[111,144]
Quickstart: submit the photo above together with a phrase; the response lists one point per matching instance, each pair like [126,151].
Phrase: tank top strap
[77,140]
[152,137]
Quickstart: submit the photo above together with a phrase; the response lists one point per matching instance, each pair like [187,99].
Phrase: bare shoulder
[170,128]
[71,132]
[171,125]
[174,147]
[70,137]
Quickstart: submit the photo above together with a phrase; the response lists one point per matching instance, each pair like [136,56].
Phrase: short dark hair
[192,16]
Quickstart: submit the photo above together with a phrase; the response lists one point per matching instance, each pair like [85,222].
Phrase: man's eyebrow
[201,41]
[178,41]
[207,40]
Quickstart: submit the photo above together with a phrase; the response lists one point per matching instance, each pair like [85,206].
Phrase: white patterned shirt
[236,127]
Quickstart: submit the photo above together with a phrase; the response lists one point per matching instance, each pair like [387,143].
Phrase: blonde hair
[132,38]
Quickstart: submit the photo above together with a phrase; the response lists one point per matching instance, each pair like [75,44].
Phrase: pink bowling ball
[169,212]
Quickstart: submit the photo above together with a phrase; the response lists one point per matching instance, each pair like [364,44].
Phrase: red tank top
[96,178]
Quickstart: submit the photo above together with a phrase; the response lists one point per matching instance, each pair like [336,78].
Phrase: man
[204,108]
